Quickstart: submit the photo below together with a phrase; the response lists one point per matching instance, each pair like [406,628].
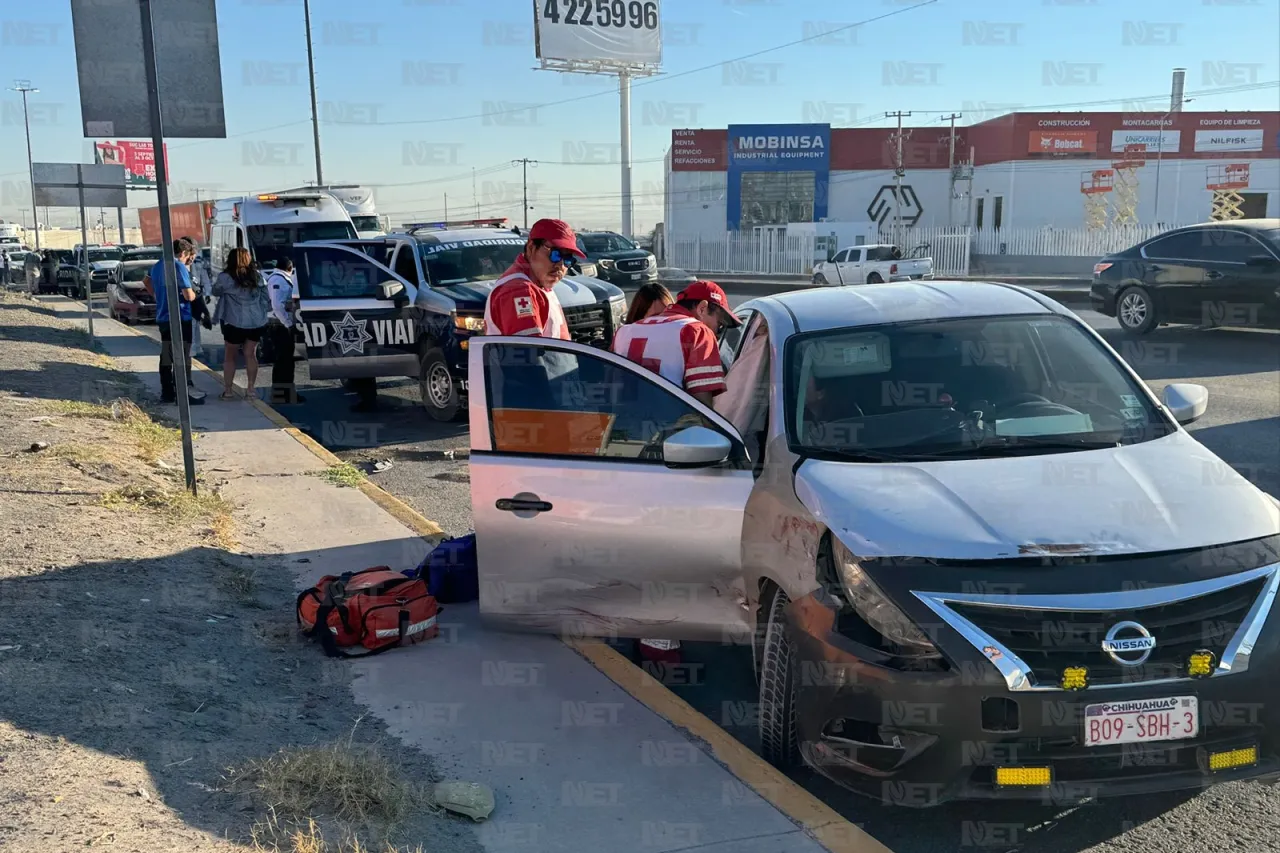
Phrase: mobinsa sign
[778,148]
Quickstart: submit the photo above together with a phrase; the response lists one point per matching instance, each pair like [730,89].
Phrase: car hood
[1162,495]
[103,265]
[572,291]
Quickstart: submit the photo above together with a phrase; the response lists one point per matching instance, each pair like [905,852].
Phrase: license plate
[1141,721]
[635,276]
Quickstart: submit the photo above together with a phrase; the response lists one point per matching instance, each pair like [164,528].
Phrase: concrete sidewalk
[578,764]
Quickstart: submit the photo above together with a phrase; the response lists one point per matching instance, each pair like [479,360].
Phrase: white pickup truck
[873,264]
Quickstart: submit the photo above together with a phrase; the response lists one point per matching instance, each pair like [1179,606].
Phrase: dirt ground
[151,667]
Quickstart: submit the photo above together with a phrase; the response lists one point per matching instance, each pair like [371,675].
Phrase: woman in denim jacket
[243,308]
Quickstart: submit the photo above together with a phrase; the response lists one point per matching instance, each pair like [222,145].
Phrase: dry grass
[343,474]
[241,582]
[354,785]
[178,505]
[152,440]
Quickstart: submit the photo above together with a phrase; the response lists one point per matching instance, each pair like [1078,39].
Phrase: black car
[617,259]
[1212,274]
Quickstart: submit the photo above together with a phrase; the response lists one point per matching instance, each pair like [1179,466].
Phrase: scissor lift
[1225,180]
[1124,199]
[1095,185]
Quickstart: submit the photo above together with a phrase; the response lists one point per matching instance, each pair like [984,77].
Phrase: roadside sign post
[80,185]
[120,35]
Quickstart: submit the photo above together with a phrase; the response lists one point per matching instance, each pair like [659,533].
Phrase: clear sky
[415,94]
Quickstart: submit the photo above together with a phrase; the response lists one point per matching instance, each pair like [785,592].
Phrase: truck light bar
[496,222]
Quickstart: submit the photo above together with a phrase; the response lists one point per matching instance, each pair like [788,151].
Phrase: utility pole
[525,163]
[559,207]
[898,172]
[446,207]
[475,196]
[951,168]
[24,86]
[311,69]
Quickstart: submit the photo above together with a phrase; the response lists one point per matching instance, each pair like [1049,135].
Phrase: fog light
[1233,758]
[463,344]
[1023,776]
[1200,664]
[1075,678]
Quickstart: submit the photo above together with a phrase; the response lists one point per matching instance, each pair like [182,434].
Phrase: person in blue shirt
[183,252]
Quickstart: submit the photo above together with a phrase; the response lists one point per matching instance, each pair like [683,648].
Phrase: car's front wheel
[779,740]
[438,388]
[1136,310]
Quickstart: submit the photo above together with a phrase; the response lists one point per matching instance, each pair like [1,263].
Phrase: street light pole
[24,86]
[311,70]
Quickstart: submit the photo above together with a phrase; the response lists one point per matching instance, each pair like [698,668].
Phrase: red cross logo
[635,352]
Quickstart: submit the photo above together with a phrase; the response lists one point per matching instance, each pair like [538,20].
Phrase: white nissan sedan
[973,554]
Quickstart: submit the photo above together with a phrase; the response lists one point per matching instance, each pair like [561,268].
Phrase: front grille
[1049,640]
[633,265]
[588,324]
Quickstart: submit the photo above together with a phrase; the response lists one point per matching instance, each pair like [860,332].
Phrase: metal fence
[743,254]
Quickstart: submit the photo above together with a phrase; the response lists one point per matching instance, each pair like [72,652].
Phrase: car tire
[875,278]
[779,738]
[438,389]
[1136,311]
[820,279]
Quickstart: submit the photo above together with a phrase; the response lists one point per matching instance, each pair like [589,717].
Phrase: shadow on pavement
[1186,353]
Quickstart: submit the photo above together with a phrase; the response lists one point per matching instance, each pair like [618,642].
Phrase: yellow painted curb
[819,820]
[823,823]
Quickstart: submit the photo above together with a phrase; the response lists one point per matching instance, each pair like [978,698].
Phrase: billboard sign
[614,33]
[778,148]
[1051,142]
[698,150]
[70,184]
[138,159]
[1154,140]
[113,76]
[1229,140]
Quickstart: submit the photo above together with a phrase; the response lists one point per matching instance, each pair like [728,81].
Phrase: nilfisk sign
[778,148]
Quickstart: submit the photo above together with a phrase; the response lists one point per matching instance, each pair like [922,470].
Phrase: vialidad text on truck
[407,305]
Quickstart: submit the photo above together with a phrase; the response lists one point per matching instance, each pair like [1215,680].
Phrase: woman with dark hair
[650,300]
[243,307]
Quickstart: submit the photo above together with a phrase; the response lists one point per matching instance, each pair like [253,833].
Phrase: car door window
[730,339]
[405,266]
[545,401]
[1225,245]
[1184,246]
[841,256]
[332,273]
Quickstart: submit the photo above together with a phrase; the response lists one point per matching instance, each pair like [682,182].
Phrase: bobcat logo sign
[883,206]
[351,334]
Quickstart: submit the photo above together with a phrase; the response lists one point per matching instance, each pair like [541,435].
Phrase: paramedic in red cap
[682,346]
[682,343]
[522,301]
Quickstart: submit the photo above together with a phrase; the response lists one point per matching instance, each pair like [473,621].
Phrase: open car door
[353,319]
[607,502]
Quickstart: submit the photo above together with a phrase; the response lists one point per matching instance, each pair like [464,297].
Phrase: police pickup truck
[406,304]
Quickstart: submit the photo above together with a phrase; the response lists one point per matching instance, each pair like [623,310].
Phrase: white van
[269,224]
[360,206]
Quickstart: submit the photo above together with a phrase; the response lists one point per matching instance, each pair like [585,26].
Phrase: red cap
[557,234]
[713,293]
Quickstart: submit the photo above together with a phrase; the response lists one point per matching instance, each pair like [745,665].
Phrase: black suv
[617,259]
[1212,274]
[407,304]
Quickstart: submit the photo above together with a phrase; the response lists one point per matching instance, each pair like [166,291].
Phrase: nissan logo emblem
[1129,650]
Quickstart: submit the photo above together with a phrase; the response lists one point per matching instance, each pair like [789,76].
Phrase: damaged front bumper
[921,738]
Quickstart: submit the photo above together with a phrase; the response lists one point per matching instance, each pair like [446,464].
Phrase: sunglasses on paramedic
[560,256]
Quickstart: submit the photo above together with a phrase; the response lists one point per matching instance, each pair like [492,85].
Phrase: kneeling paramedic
[681,345]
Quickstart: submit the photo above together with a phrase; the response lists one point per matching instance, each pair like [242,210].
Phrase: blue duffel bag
[450,570]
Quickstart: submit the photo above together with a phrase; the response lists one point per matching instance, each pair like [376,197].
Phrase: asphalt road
[1242,372]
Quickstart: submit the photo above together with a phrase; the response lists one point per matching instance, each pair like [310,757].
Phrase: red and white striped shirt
[518,305]
[677,346]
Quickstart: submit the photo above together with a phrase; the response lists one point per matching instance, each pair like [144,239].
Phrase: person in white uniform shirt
[280,286]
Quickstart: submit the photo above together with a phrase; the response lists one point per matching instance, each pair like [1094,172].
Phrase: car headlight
[605,263]
[866,599]
[471,324]
[618,310]
[122,296]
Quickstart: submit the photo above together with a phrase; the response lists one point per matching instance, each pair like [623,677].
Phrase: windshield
[1272,236]
[144,255]
[105,254]
[469,260]
[272,243]
[600,243]
[955,388]
[366,223]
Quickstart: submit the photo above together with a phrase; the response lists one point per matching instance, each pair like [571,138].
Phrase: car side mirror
[696,447]
[1261,261]
[392,291]
[1186,401]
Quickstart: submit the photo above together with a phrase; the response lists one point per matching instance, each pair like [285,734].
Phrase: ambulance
[360,206]
[269,224]
[407,304]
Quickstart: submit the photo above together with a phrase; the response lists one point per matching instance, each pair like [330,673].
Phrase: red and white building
[1022,170]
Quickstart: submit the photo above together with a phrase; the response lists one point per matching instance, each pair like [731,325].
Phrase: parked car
[873,264]
[128,299]
[101,260]
[675,279]
[618,260]
[1211,274]
[971,551]
[143,253]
